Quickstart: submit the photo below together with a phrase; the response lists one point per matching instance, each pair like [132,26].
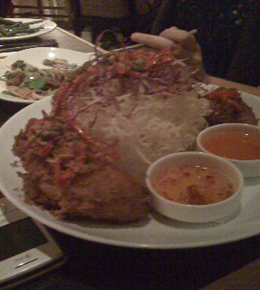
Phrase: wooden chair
[6,8]
[125,16]
[39,9]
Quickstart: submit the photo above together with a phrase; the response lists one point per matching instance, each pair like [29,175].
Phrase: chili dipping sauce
[193,185]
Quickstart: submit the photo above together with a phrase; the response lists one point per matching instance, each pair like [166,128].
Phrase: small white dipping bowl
[249,168]
[195,213]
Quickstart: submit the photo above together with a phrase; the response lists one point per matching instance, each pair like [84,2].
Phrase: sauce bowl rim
[240,180]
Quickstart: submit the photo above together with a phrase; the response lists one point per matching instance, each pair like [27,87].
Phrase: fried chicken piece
[227,106]
[70,177]
[107,194]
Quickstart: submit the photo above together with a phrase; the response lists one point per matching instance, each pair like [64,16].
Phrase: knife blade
[15,44]
[20,46]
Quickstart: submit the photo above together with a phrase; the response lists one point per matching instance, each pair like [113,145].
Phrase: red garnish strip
[222,94]
[101,145]
[62,177]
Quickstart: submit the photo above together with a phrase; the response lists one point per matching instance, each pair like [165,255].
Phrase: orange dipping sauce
[233,145]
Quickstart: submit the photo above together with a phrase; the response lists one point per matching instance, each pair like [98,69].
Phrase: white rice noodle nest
[154,128]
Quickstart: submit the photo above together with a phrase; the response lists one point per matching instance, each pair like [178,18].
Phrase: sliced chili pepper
[60,97]
[122,63]
[44,151]
[68,88]
[101,145]
[62,177]
[222,94]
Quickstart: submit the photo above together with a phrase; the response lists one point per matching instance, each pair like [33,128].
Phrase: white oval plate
[156,232]
[36,56]
[47,26]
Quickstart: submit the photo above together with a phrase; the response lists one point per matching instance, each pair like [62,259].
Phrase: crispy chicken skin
[72,179]
[107,194]
[227,106]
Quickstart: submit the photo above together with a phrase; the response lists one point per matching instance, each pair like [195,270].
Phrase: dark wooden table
[94,266]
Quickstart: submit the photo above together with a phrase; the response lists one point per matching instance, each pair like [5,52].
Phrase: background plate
[47,26]
[156,232]
[36,56]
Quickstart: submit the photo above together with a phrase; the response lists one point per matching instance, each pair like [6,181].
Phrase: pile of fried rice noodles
[138,105]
